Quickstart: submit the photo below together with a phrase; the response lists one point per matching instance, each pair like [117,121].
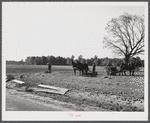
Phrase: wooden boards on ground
[51,89]
[44,88]
[18,81]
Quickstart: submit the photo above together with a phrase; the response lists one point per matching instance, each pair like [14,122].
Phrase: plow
[110,70]
[90,74]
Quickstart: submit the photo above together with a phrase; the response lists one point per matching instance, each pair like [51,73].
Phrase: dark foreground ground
[18,104]
[101,93]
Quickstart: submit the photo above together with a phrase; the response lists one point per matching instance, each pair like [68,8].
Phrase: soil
[100,93]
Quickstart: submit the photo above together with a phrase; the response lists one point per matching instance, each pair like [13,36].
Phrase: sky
[58,29]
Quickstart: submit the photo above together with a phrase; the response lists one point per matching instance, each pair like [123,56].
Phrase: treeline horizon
[43,60]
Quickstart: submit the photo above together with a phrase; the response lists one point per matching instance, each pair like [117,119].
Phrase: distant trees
[15,62]
[142,63]
[126,35]
[68,61]
[137,60]
[44,60]
[32,60]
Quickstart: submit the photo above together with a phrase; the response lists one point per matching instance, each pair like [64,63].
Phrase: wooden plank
[51,89]
[45,88]
[18,81]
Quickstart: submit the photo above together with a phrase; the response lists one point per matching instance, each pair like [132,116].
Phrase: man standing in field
[49,67]
[94,63]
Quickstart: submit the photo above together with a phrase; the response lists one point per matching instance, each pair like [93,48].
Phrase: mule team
[128,67]
[83,67]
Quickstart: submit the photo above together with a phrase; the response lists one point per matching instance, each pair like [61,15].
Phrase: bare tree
[126,35]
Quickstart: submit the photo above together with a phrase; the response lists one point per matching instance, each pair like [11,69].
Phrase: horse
[82,67]
[130,67]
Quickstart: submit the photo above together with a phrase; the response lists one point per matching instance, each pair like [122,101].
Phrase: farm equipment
[111,70]
[90,74]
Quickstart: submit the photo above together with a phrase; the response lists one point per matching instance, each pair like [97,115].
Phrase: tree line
[12,62]
[32,60]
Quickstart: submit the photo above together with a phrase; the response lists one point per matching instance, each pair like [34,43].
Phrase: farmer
[49,67]
[94,65]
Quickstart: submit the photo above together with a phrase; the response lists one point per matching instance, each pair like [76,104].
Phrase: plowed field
[101,93]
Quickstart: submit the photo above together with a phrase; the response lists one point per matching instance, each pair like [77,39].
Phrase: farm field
[101,93]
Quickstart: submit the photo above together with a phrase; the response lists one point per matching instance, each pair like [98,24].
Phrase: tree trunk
[127,57]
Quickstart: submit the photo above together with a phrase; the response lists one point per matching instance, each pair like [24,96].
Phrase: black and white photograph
[74,61]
